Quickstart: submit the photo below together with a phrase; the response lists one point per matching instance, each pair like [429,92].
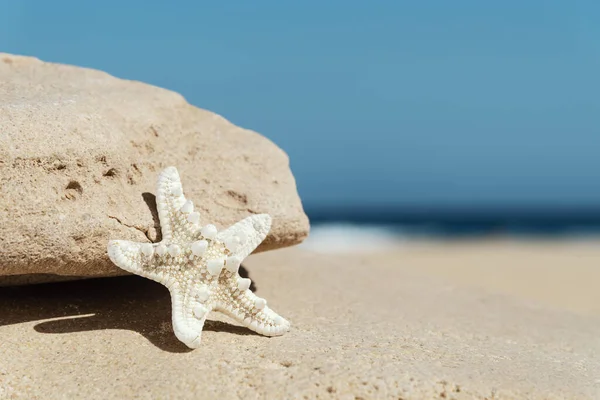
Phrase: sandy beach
[455,320]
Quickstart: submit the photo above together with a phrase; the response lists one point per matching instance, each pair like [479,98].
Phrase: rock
[80,152]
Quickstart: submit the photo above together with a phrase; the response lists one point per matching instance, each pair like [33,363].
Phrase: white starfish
[200,266]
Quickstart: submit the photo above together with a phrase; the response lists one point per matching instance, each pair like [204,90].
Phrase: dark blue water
[466,222]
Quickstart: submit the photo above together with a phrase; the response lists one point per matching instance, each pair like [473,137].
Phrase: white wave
[349,238]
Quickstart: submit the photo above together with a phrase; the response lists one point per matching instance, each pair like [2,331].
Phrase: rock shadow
[129,302]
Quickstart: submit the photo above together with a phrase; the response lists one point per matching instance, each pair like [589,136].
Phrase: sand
[483,320]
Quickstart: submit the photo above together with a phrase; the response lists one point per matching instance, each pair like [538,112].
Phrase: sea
[358,230]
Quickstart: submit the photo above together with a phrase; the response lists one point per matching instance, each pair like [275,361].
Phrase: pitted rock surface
[79,154]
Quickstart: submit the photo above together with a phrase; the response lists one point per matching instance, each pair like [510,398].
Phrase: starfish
[199,265]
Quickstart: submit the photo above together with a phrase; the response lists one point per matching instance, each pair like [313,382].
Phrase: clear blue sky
[472,103]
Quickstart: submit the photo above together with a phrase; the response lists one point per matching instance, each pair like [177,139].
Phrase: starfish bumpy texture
[199,266]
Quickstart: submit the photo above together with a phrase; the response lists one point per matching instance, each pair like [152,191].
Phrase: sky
[472,104]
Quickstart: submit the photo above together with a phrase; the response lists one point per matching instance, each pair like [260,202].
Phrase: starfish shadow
[150,201]
[129,303]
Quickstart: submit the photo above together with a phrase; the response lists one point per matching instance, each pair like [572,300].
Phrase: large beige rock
[80,152]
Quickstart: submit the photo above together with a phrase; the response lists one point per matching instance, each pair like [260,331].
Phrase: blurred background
[437,118]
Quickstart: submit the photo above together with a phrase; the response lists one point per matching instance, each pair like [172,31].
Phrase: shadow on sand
[127,302]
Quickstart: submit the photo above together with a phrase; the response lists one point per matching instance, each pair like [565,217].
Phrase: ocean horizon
[462,222]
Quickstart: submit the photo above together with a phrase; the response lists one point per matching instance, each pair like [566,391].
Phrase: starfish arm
[249,232]
[188,315]
[251,311]
[130,257]
[175,213]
